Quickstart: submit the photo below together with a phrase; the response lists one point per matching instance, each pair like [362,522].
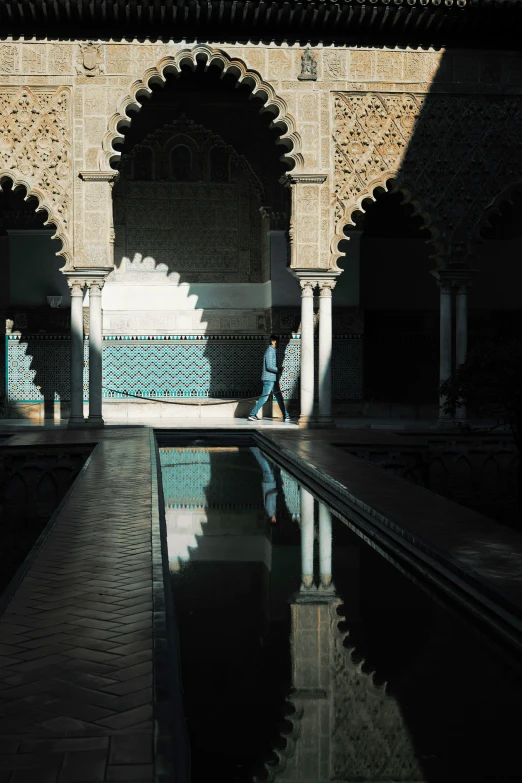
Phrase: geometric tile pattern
[166,367]
[76,638]
[38,367]
[206,478]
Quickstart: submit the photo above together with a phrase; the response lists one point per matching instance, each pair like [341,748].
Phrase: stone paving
[76,639]
[484,554]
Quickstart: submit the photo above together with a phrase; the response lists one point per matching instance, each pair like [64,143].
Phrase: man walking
[270,382]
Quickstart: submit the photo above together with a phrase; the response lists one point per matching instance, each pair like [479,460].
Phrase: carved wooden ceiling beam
[468,23]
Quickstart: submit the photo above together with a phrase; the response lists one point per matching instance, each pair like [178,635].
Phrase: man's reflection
[269,485]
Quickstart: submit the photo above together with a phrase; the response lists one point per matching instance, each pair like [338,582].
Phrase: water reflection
[306,656]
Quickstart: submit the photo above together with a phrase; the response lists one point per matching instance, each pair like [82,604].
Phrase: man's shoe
[288,418]
[253,417]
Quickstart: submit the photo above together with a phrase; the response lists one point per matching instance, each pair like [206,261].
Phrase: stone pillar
[461,413]
[325,353]
[307,351]
[325,547]
[445,286]
[95,353]
[76,415]
[307,539]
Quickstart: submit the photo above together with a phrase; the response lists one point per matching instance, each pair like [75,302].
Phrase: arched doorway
[387,274]
[34,303]
[191,295]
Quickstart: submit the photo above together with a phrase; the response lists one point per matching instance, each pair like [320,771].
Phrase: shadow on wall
[37,342]
[451,156]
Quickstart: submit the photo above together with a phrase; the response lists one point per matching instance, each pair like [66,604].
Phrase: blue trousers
[269,387]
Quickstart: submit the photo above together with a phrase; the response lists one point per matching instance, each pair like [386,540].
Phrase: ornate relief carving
[33,58]
[279,60]
[452,154]
[335,64]
[89,61]
[193,219]
[60,59]
[35,149]
[8,58]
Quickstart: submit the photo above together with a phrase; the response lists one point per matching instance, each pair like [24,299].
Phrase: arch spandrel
[273,103]
[35,152]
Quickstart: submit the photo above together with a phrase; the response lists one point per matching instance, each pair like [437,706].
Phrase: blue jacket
[269,365]
[269,485]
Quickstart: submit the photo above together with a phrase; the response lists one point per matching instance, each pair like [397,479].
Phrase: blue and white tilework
[165,367]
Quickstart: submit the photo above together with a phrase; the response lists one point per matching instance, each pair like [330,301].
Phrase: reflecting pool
[307,656]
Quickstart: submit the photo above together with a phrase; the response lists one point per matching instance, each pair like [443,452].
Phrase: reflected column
[95,353]
[307,540]
[76,415]
[325,548]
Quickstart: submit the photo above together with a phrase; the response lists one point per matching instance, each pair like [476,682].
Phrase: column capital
[95,286]
[75,286]
[326,287]
[454,276]
[307,287]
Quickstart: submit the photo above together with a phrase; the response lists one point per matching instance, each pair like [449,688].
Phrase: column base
[94,421]
[75,422]
[306,421]
[325,421]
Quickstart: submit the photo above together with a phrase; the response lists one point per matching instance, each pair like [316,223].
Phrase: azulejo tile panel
[165,367]
[38,367]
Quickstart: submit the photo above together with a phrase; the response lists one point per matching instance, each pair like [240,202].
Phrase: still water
[308,657]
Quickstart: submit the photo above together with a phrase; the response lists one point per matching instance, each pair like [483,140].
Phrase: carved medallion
[90,60]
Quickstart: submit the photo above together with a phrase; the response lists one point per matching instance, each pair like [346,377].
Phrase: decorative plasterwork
[99,176]
[303,179]
[35,141]
[261,89]
[449,155]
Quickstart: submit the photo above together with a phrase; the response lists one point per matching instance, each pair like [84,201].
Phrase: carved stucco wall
[352,85]
[202,230]
[35,149]
[451,155]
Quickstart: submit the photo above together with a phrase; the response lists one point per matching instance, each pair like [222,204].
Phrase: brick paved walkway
[76,639]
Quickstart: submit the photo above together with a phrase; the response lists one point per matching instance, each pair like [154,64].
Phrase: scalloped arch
[290,138]
[390,182]
[43,204]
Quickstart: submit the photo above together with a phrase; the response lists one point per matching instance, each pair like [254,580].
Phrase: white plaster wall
[34,268]
[164,295]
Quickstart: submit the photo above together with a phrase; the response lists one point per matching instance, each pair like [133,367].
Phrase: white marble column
[95,353]
[445,338]
[307,351]
[325,547]
[325,353]
[76,288]
[307,539]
